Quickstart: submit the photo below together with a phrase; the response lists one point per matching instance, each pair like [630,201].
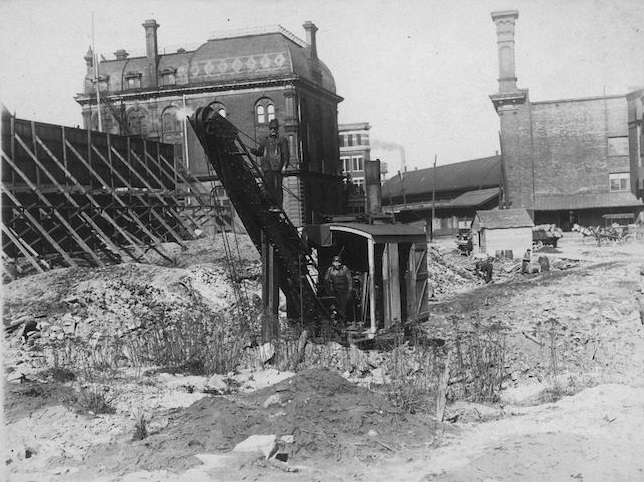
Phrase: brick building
[355,149]
[250,77]
[565,160]
[635,102]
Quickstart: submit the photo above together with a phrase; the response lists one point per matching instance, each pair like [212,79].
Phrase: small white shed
[502,230]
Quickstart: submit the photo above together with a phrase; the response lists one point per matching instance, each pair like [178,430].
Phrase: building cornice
[148,94]
[517,97]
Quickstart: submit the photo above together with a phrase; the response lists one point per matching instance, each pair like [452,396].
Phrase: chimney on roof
[310,29]
[373,187]
[89,58]
[121,54]
[152,51]
[505,21]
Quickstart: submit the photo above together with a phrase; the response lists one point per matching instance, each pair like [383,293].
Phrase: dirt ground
[571,407]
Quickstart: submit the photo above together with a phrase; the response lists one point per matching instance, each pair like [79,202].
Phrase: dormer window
[103,82]
[132,80]
[168,77]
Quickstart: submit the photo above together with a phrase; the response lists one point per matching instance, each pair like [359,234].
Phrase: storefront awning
[569,202]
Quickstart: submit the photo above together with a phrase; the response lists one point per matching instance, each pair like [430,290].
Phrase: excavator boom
[262,216]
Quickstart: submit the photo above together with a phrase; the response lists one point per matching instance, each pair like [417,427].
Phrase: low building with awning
[586,209]
[453,191]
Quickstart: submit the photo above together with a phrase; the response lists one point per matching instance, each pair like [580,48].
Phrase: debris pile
[316,412]
[448,274]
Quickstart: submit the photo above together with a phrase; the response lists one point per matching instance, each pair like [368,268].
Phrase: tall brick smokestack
[505,22]
[152,51]
[311,29]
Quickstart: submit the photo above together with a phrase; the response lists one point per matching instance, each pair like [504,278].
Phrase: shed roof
[503,219]
[475,198]
[474,174]
[383,233]
[469,199]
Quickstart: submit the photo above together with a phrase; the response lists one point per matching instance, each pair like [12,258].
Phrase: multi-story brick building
[355,149]
[565,160]
[250,77]
[635,102]
[355,153]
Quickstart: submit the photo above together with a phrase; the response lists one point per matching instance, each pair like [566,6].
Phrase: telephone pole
[433,198]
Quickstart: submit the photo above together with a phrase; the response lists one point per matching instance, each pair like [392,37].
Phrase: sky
[420,72]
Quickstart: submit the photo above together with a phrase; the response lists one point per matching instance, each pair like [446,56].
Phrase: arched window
[108,123]
[261,117]
[264,111]
[219,108]
[170,123]
[136,122]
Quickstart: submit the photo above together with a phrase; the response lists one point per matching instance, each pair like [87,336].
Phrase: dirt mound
[21,400]
[325,414]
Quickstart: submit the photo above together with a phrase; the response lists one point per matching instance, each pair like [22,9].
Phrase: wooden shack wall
[516,240]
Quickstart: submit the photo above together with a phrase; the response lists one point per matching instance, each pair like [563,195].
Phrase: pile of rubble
[313,412]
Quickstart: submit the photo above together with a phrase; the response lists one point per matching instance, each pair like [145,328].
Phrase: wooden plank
[420,280]
[395,313]
[161,186]
[154,191]
[185,180]
[176,235]
[156,245]
[90,198]
[38,227]
[20,244]
[13,147]
[190,188]
[99,232]
[71,231]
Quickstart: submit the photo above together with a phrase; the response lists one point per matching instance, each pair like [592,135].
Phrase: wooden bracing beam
[195,223]
[136,193]
[61,219]
[154,191]
[127,210]
[23,247]
[37,226]
[95,206]
[113,249]
[71,191]
[187,180]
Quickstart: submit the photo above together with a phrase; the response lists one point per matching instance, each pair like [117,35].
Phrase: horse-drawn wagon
[546,235]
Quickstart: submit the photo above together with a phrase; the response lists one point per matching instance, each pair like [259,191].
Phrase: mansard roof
[268,53]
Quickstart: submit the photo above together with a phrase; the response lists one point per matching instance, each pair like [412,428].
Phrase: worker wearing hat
[340,284]
[525,264]
[274,156]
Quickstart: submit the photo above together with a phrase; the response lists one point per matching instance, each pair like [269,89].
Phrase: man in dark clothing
[340,284]
[275,156]
[484,268]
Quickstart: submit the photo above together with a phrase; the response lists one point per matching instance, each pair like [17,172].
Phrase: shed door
[418,305]
[391,284]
